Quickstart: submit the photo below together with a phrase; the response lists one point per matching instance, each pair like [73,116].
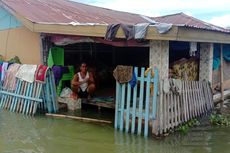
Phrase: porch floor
[99,103]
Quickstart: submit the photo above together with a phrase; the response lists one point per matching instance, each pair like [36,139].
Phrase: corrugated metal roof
[181,19]
[68,12]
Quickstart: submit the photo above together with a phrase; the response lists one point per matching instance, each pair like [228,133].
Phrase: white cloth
[83,86]
[193,48]
[163,27]
[26,72]
[4,69]
[140,30]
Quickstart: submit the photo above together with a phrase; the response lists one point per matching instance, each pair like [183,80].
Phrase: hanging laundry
[10,77]
[163,27]
[128,31]
[111,31]
[133,82]
[193,48]
[113,28]
[4,69]
[57,71]
[40,75]
[141,30]
[137,31]
[26,72]
[123,73]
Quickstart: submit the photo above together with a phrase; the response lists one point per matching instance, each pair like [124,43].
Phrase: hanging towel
[123,73]
[193,48]
[57,71]
[163,27]
[10,79]
[40,75]
[4,69]
[26,72]
[111,31]
[128,31]
[113,28]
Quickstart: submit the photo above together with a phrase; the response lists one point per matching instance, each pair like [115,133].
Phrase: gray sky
[212,11]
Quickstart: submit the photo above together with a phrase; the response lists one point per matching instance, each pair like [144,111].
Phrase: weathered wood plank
[164,112]
[141,102]
[134,104]
[146,125]
[128,108]
[123,87]
[117,117]
[155,106]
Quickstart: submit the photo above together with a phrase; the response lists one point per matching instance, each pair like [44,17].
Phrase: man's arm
[91,78]
[75,80]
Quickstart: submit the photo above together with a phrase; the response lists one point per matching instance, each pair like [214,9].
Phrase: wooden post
[221,77]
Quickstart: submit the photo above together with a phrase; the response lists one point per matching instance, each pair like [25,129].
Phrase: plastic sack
[66,92]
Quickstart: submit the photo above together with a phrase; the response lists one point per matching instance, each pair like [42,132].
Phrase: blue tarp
[216,55]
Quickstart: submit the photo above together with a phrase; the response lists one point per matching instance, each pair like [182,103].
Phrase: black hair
[83,62]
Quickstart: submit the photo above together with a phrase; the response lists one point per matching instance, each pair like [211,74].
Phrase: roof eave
[99,31]
[201,35]
[175,33]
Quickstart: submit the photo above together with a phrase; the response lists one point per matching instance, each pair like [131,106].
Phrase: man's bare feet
[74,96]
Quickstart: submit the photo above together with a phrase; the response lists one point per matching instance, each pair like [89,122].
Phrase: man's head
[83,67]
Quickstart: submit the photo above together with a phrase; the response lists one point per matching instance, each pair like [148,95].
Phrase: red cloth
[40,74]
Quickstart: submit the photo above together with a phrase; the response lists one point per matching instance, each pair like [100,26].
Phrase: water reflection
[22,134]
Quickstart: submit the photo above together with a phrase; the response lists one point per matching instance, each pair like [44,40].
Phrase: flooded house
[175,46]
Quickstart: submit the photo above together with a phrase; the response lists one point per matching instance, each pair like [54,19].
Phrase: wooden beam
[100,31]
[175,33]
[78,118]
[199,35]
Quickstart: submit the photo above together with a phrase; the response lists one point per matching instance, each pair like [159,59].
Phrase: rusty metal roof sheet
[74,13]
[68,12]
[181,19]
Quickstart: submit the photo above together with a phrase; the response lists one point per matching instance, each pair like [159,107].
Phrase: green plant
[218,119]
[184,128]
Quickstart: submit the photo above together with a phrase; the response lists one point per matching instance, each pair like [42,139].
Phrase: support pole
[221,77]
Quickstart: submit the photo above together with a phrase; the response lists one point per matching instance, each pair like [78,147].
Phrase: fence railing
[195,100]
[134,105]
[146,105]
[27,98]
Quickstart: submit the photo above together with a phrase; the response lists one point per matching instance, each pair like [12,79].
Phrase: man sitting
[83,85]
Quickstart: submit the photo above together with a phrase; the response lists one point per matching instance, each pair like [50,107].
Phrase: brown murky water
[22,134]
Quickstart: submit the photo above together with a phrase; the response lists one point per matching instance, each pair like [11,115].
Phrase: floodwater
[40,134]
